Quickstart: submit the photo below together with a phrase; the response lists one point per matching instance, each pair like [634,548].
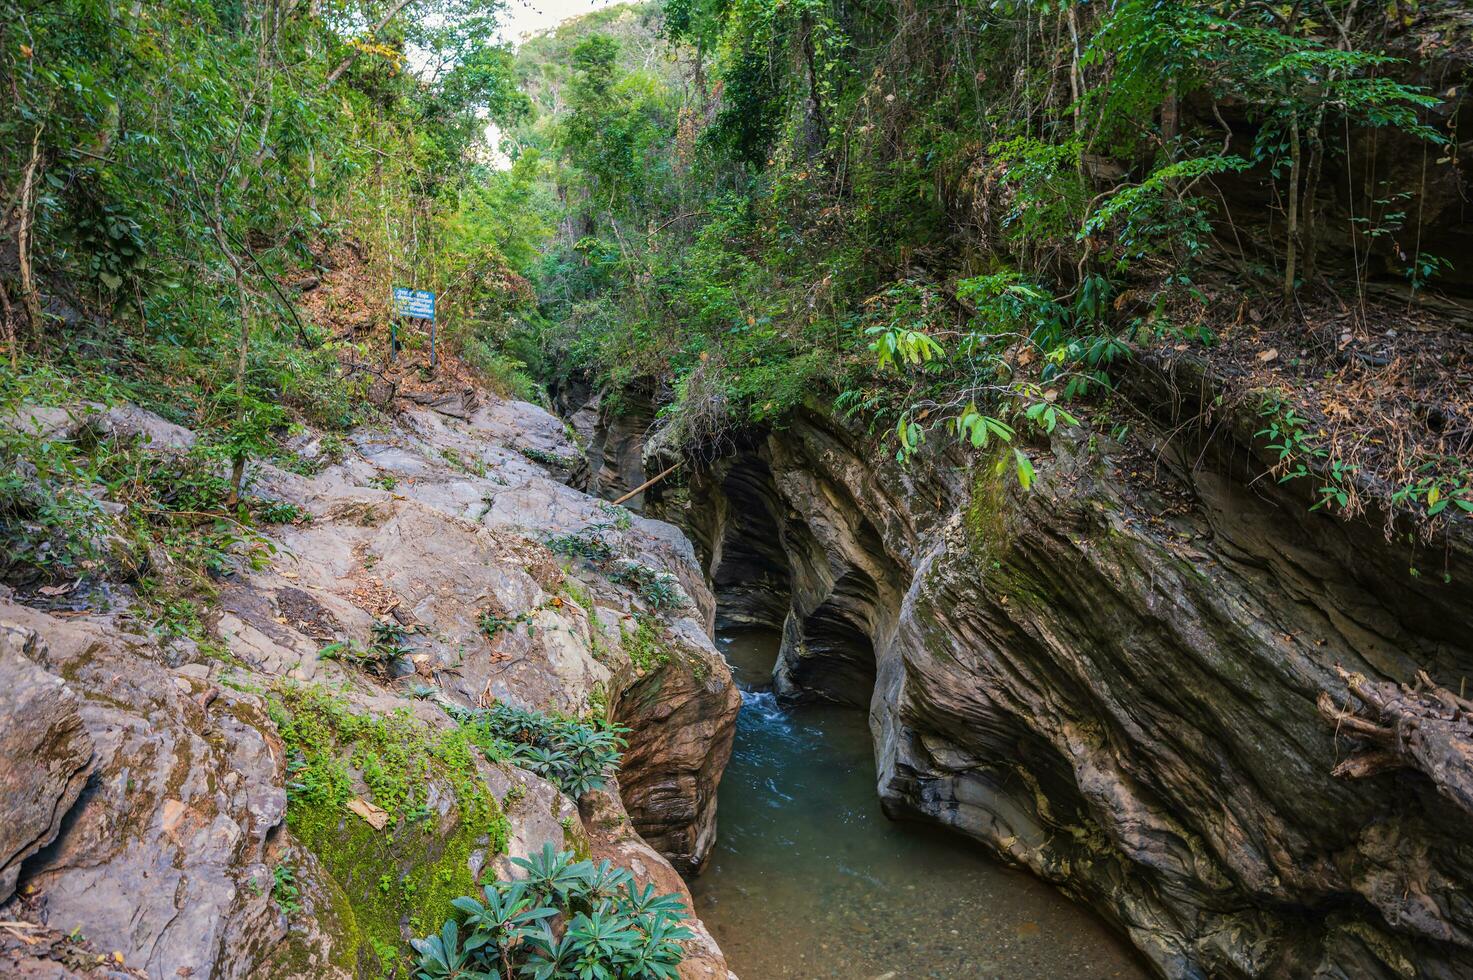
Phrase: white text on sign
[417,303]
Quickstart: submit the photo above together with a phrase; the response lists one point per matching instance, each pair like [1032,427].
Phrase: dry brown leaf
[376,816]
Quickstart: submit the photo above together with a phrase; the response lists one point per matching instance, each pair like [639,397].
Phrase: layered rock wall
[1117,680]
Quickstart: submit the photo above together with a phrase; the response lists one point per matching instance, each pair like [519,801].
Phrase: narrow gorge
[1152,681]
[736,490]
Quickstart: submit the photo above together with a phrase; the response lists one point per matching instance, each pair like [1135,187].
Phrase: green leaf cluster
[563,918]
[574,754]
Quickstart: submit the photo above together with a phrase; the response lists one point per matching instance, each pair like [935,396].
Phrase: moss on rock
[986,514]
[397,882]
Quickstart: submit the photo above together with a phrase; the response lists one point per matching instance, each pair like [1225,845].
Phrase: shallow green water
[810,879]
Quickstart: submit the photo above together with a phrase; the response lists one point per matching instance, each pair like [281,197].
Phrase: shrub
[501,372]
[588,543]
[577,756]
[390,643]
[611,929]
[547,458]
[659,590]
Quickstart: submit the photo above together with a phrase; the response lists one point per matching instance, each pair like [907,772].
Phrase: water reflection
[810,880]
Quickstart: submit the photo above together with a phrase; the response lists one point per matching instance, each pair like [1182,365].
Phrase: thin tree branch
[347,62]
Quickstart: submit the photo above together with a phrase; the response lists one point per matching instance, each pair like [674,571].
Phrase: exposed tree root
[1421,726]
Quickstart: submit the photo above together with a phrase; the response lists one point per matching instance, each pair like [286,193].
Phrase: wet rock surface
[165,784]
[1114,680]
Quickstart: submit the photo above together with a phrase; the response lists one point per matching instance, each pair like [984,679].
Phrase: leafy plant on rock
[284,890]
[389,643]
[659,590]
[564,918]
[493,623]
[588,543]
[577,756]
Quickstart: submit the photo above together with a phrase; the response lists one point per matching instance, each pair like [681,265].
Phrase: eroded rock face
[448,545]
[45,753]
[1112,680]
[157,857]
[439,523]
[612,441]
[680,716]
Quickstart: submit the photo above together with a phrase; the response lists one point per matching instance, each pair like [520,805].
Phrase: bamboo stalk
[648,483]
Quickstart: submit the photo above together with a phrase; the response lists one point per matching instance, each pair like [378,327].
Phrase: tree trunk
[1076,81]
[1170,118]
[1292,240]
[28,293]
[237,465]
[814,125]
[11,344]
[237,477]
[1310,216]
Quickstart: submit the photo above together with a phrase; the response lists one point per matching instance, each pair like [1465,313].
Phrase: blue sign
[414,302]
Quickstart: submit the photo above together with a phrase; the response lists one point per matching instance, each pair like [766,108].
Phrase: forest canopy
[954,221]
[961,218]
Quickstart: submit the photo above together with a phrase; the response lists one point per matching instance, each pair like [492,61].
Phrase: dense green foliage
[946,218]
[611,929]
[174,159]
[175,173]
[950,222]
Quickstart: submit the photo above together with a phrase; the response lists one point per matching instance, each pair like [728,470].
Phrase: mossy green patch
[598,703]
[1016,585]
[579,593]
[394,881]
[985,517]
[398,881]
[575,839]
[645,646]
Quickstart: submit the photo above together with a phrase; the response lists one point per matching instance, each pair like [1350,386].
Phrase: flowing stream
[810,879]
